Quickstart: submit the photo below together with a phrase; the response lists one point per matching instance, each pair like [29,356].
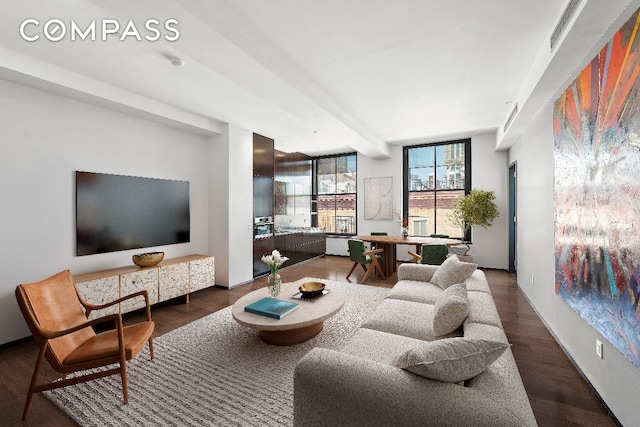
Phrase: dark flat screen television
[117,212]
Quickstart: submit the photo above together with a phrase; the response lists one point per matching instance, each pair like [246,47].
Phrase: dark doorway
[513,186]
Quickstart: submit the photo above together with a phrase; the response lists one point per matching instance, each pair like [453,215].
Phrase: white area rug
[212,372]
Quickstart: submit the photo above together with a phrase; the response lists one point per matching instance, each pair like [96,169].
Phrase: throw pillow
[452,271]
[451,359]
[451,308]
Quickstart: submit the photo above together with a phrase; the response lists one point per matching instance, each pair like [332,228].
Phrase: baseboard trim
[572,359]
[15,342]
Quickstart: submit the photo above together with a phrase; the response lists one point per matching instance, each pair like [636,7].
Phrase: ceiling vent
[511,117]
[564,21]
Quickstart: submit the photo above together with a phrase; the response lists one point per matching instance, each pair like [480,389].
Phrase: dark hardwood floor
[558,393]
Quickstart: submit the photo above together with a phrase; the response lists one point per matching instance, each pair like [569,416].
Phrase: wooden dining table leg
[389,261]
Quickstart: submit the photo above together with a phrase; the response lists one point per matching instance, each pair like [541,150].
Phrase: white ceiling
[317,76]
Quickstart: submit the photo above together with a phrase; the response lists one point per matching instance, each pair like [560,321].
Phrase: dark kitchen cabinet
[262,196]
[263,170]
[299,247]
[263,156]
[292,164]
[293,184]
[261,247]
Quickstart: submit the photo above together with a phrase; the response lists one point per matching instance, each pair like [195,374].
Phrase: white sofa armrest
[417,272]
[333,388]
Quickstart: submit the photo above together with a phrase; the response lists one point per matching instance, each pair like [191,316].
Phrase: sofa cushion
[378,346]
[452,271]
[414,290]
[484,331]
[451,359]
[418,272]
[482,309]
[478,282]
[501,382]
[406,318]
[451,308]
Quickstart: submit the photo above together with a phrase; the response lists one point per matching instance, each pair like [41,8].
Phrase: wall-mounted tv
[117,212]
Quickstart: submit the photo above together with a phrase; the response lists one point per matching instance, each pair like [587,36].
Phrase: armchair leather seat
[105,344]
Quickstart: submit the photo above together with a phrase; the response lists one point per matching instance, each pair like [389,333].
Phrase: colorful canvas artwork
[596,128]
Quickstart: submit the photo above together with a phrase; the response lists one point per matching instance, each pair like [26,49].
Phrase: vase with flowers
[403,222]
[404,229]
[274,261]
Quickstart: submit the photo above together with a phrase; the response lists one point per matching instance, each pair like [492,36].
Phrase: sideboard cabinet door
[101,291]
[173,281]
[201,274]
[145,279]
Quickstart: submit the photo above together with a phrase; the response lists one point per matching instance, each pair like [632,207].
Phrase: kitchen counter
[300,244]
[285,231]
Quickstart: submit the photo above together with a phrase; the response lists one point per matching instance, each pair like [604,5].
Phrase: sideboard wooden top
[94,275]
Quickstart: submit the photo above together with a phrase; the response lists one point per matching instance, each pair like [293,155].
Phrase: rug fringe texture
[212,372]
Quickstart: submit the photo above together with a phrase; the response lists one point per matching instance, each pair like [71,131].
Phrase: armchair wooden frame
[75,346]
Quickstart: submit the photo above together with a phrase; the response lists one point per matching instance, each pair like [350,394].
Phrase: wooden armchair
[57,317]
[359,255]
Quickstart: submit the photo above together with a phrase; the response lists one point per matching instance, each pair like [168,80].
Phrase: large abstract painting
[596,129]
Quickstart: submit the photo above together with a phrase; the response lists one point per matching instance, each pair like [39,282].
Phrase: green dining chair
[433,254]
[369,259]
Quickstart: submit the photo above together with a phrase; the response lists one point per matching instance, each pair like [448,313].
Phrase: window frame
[316,193]
[406,178]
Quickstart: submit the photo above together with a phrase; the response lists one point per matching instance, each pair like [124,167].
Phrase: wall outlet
[599,348]
[533,279]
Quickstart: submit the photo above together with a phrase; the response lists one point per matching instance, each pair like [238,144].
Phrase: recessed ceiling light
[174,60]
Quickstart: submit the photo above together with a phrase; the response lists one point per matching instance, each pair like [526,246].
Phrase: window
[435,177]
[335,194]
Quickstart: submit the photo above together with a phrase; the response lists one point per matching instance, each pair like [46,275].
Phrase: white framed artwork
[378,198]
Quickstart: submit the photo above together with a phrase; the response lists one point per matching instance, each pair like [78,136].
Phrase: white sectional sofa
[433,353]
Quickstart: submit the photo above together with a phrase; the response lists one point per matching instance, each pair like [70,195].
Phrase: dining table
[389,246]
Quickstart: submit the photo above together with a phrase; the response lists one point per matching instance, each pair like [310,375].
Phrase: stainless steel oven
[262,227]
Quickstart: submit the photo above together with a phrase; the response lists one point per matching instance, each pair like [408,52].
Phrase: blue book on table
[271,307]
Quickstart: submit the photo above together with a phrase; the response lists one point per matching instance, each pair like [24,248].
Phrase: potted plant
[475,209]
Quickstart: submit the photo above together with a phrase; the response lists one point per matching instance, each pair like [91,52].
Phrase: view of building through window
[336,179]
[435,179]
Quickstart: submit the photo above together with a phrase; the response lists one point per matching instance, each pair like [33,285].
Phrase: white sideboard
[169,279]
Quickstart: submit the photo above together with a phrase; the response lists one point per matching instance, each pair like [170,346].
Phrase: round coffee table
[298,326]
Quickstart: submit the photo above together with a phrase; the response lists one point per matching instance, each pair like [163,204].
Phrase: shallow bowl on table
[311,288]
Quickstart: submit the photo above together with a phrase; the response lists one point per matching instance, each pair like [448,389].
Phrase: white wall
[372,168]
[614,377]
[44,139]
[231,205]
[488,172]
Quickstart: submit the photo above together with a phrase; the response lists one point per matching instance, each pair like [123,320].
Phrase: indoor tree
[475,209]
